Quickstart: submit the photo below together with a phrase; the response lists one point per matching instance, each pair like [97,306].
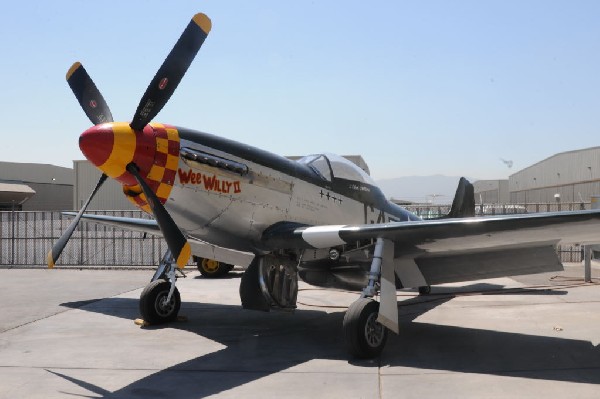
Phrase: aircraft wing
[450,250]
[199,248]
[133,224]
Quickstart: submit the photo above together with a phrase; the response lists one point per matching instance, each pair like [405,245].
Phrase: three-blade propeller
[154,99]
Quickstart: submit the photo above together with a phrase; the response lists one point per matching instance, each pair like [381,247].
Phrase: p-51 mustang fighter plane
[320,218]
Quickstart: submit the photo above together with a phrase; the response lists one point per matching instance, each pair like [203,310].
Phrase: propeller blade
[171,72]
[88,95]
[176,241]
[58,247]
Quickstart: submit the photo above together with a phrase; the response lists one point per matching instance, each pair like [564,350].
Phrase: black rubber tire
[365,338]
[425,290]
[150,303]
[211,268]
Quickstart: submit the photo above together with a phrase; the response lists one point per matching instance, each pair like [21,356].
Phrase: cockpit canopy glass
[328,165]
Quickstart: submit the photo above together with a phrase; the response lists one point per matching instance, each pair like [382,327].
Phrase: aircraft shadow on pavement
[261,344]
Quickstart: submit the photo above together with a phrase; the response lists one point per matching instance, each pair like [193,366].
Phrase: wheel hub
[374,332]
[163,307]
[210,265]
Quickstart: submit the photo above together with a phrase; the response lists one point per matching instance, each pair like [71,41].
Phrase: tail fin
[463,204]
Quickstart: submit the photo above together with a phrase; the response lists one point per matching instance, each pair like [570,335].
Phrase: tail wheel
[365,337]
[154,307]
[212,268]
[425,290]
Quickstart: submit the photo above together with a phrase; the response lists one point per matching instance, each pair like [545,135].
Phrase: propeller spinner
[121,150]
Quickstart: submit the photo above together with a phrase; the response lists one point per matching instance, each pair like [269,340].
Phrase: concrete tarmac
[70,333]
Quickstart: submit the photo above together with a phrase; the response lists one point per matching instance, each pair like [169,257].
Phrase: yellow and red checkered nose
[155,151]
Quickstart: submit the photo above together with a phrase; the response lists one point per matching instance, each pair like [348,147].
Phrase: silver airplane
[321,218]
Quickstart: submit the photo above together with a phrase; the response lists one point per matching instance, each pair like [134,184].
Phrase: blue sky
[417,88]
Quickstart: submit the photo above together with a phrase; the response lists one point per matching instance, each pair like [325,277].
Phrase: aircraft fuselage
[233,209]
[227,193]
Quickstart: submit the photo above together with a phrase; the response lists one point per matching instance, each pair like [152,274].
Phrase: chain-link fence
[26,237]
[430,211]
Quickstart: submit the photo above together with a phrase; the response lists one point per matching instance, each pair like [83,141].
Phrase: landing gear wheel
[365,337]
[211,268]
[425,290]
[153,305]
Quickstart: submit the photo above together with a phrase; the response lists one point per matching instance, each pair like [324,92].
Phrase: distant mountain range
[437,189]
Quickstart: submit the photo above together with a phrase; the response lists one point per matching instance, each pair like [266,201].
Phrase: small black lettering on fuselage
[374,215]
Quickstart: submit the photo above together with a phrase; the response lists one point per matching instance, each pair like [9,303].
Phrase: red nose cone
[97,143]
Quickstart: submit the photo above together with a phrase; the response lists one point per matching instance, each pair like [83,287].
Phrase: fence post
[81,235]
[587,264]
[12,222]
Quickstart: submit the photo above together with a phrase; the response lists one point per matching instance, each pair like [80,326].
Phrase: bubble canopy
[329,166]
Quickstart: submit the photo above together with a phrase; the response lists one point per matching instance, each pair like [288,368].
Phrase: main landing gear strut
[271,283]
[160,300]
[365,336]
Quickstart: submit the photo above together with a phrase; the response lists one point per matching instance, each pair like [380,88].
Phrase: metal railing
[428,211]
[26,237]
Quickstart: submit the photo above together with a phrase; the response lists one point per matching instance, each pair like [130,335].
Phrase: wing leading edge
[426,252]
[461,234]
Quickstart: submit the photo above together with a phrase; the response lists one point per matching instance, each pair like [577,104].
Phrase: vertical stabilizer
[463,204]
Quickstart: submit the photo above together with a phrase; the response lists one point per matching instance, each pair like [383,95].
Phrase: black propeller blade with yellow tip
[88,95]
[97,110]
[171,71]
[58,247]
[176,241]
[156,96]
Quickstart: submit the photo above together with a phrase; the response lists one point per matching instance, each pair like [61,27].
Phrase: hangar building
[491,192]
[35,187]
[109,197]
[571,176]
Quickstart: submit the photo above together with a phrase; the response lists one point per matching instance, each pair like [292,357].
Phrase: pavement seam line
[65,310]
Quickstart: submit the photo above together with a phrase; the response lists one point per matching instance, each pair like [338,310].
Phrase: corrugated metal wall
[573,175]
[36,173]
[50,197]
[109,197]
[491,191]
[53,185]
